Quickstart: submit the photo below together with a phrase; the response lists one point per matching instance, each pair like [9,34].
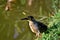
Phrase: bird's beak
[24,19]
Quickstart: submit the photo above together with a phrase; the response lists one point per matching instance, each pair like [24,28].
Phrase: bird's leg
[40,35]
[37,34]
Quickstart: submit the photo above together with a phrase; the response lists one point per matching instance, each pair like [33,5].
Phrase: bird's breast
[33,27]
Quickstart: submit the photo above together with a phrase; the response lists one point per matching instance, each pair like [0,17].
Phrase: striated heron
[35,26]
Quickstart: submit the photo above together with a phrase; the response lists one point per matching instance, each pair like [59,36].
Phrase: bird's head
[28,18]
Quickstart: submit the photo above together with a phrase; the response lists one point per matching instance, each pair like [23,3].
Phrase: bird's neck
[31,21]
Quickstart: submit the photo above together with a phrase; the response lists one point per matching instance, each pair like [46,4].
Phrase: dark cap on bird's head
[28,18]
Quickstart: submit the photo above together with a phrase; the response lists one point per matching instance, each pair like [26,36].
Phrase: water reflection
[16,34]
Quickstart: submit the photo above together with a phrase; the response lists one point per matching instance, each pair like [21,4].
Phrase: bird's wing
[42,27]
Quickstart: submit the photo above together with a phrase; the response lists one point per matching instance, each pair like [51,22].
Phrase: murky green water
[11,27]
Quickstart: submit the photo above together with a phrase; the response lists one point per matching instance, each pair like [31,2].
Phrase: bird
[36,27]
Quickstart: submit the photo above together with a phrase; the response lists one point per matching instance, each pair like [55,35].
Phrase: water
[11,27]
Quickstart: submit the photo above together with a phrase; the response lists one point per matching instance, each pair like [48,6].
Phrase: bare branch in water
[30,2]
[8,5]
